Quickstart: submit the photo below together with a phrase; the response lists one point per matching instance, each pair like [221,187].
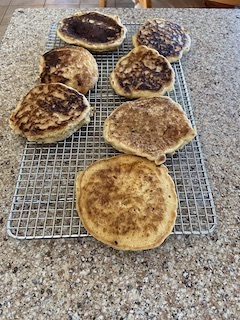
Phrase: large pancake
[168,38]
[126,202]
[148,127]
[93,30]
[50,113]
[74,66]
[143,72]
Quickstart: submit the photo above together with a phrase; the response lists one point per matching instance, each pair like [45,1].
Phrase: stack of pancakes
[129,201]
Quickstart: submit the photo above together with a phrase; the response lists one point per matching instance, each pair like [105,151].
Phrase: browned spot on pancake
[52,60]
[49,107]
[71,65]
[122,210]
[93,27]
[123,201]
[166,37]
[148,128]
[143,69]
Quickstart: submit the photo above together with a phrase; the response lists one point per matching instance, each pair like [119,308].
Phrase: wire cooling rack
[44,201]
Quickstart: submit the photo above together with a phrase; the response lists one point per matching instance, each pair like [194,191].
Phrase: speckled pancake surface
[143,72]
[148,127]
[93,30]
[126,202]
[50,113]
[170,39]
[71,65]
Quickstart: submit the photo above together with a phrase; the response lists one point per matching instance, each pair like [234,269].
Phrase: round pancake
[148,127]
[126,202]
[143,72]
[169,39]
[74,66]
[93,30]
[50,113]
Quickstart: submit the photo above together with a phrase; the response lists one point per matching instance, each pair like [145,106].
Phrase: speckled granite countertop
[188,277]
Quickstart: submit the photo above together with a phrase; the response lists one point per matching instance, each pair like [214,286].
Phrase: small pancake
[150,127]
[143,72]
[126,202]
[168,38]
[50,113]
[71,65]
[93,30]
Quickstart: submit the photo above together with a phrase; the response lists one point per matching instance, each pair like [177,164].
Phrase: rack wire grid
[44,201]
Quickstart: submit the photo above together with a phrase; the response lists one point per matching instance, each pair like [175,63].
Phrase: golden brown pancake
[126,202]
[143,72]
[168,38]
[74,66]
[50,113]
[93,30]
[148,127]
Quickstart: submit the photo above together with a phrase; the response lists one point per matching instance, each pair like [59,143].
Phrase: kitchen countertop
[188,276]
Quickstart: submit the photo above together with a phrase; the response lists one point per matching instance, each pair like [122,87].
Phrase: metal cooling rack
[44,201]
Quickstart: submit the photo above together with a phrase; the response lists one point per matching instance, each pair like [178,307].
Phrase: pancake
[143,72]
[93,30]
[50,113]
[126,202]
[148,127]
[168,38]
[71,65]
